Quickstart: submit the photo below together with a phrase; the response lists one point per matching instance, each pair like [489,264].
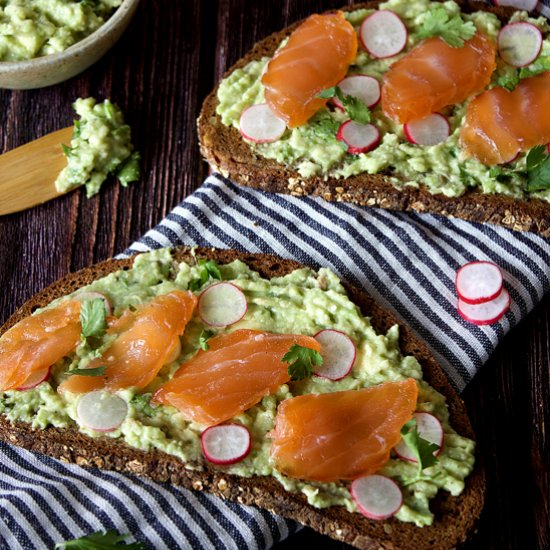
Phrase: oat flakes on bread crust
[455,517]
[225,150]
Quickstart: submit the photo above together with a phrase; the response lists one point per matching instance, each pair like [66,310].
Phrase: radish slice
[478,282]
[519,43]
[383,34]
[429,130]
[362,86]
[378,497]
[101,411]
[259,124]
[338,352]
[429,428]
[527,5]
[360,138]
[222,304]
[226,444]
[486,313]
[92,295]
[35,378]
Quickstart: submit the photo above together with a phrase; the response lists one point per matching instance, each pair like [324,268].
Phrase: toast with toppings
[387,166]
[73,441]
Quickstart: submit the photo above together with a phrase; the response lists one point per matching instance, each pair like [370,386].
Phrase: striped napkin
[406,261]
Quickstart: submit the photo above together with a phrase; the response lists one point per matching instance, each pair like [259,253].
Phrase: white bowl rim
[44,60]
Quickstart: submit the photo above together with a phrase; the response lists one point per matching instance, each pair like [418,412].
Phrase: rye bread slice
[225,150]
[454,516]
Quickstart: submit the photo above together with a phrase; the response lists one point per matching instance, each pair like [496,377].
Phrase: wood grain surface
[158,73]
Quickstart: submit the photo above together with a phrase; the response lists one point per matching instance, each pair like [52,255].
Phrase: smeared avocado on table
[302,302]
[34,28]
[101,146]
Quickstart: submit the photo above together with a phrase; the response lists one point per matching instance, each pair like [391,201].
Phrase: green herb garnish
[208,269]
[101,541]
[203,339]
[422,449]
[93,318]
[508,81]
[540,65]
[355,108]
[453,29]
[301,361]
[538,169]
[142,402]
[96,371]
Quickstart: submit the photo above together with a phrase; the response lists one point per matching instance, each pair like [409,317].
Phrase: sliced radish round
[478,282]
[92,295]
[35,378]
[222,304]
[362,86]
[259,124]
[383,34]
[378,497]
[486,313]
[226,444]
[429,428]
[360,138]
[519,43]
[101,411]
[527,5]
[338,352]
[430,130]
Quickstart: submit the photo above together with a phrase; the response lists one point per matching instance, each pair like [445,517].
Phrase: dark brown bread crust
[455,517]
[224,148]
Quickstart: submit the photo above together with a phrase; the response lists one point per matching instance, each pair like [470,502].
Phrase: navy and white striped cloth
[406,261]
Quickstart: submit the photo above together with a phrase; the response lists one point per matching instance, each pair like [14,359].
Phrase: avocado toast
[453,516]
[310,159]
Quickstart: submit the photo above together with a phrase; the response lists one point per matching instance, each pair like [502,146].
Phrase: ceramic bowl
[57,67]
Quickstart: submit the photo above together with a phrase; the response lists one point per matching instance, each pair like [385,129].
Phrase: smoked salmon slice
[237,371]
[433,75]
[146,339]
[341,435]
[499,123]
[316,56]
[37,342]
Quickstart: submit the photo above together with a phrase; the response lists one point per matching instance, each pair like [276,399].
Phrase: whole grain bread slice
[225,150]
[455,517]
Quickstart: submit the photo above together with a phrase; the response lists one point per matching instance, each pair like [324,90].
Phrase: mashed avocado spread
[302,302]
[313,150]
[33,28]
[101,145]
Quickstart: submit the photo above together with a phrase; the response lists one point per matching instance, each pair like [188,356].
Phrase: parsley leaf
[101,541]
[205,335]
[301,361]
[538,169]
[96,371]
[93,318]
[423,450]
[208,268]
[454,30]
[142,402]
[354,107]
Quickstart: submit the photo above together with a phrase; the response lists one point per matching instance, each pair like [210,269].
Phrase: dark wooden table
[159,72]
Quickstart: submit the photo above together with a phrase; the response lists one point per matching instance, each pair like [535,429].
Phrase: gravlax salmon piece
[146,340]
[341,435]
[434,75]
[316,56]
[500,123]
[237,371]
[37,342]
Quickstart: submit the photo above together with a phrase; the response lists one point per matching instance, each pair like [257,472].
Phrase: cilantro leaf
[536,156]
[328,93]
[540,65]
[93,318]
[538,169]
[204,336]
[96,371]
[100,541]
[508,81]
[142,402]
[355,108]
[301,361]
[423,450]
[208,268]
[454,30]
